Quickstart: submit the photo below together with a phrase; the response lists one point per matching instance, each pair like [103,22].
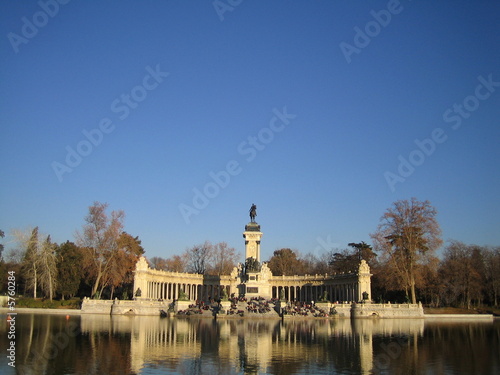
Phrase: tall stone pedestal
[252,236]
[257,283]
[255,278]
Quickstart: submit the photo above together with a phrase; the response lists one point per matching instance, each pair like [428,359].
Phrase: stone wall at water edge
[387,310]
[96,306]
[118,307]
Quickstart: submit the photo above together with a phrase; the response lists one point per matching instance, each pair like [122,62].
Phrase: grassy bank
[39,303]
[457,310]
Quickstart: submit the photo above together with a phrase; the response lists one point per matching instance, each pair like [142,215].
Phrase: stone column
[252,236]
[364,280]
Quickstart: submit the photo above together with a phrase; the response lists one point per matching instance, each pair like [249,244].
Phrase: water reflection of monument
[252,278]
[104,344]
[199,346]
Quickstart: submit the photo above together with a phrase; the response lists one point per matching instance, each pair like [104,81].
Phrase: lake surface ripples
[93,344]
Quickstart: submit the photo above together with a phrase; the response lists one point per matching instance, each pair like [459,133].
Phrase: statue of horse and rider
[253,213]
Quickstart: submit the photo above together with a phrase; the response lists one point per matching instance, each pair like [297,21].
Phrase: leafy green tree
[364,251]
[348,260]
[344,261]
[5,267]
[70,271]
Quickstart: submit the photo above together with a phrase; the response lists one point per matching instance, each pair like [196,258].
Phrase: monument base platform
[334,310]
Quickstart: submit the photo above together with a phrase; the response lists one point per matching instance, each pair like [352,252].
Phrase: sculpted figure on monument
[363,267]
[252,265]
[265,272]
[253,213]
[282,294]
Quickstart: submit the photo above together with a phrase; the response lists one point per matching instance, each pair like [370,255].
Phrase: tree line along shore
[403,257]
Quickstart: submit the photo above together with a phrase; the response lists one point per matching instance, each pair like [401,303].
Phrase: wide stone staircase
[253,308]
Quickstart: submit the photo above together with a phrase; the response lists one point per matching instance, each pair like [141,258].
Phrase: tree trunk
[101,290]
[413,295]
[96,285]
[50,287]
[34,285]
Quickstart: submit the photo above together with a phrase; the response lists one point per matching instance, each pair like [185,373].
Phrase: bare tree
[98,239]
[199,258]
[158,263]
[29,251]
[48,268]
[177,263]
[492,271]
[224,259]
[429,282]
[408,231]
[463,274]
[38,262]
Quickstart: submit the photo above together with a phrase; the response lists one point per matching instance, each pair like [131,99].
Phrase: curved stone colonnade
[150,284]
[340,288]
[252,281]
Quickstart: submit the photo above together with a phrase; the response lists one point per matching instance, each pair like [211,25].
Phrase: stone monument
[252,236]
[255,275]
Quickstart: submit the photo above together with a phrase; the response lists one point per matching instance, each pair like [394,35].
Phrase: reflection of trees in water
[105,353]
[474,347]
[54,345]
[209,334]
[465,348]
[51,344]
[316,346]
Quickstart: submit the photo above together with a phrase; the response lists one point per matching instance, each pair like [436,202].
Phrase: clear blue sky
[172,90]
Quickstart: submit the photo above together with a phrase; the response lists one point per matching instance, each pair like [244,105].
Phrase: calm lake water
[52,344]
